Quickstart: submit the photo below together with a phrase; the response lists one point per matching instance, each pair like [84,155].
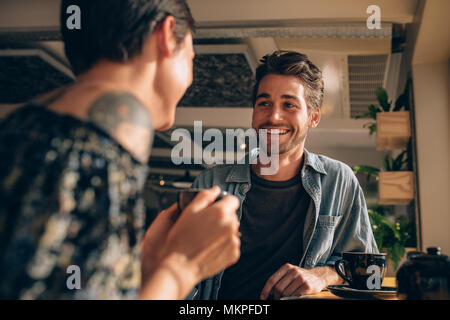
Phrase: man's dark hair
[116,30]
[296,64]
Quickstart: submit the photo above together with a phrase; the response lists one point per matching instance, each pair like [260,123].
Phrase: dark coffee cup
[363,271]
[187,195]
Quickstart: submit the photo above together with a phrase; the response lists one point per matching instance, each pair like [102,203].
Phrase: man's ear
[314,119]
[165,37]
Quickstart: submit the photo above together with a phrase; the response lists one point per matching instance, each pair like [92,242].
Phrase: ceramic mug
[362,270]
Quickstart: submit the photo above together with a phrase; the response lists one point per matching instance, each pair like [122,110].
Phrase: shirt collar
[241,173]
[314,162]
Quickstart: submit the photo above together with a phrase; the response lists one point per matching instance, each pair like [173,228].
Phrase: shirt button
[243,189]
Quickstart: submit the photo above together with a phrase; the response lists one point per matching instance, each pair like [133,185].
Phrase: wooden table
[327,295]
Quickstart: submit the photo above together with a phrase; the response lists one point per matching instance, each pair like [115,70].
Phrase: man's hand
[291,280]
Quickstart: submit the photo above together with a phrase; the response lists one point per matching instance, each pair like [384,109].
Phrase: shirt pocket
[322,240]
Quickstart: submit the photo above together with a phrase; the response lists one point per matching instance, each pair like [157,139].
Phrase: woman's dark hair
[296,64]
[116,30]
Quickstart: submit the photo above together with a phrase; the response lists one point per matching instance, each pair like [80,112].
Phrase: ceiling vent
[366,74]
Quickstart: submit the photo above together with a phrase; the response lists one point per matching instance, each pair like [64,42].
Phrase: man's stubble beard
[288,146]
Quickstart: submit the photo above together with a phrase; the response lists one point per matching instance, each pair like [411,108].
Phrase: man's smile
[276,131]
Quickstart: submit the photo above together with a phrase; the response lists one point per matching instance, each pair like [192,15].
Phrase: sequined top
[71,212]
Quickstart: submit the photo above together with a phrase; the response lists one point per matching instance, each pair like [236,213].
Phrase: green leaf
[371,113]
[387,164]
[382,98]
[396,252]
[401,102]
[383,230]
[364,116]
[392,236]
[397,163]
[368,170]
[373,110]
[372,128]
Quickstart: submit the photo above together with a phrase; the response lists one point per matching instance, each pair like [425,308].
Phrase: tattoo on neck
[113,109]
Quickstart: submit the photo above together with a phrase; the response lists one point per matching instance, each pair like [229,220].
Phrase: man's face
[281,108]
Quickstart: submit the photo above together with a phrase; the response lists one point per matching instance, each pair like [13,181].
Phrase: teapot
[424,276]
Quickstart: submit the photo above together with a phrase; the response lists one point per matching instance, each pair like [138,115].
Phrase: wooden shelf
[395,187]
[393,130]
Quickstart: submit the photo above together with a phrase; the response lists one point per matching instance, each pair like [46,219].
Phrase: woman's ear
[165,37]
[314,119]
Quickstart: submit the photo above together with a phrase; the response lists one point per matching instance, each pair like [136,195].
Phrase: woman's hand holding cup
[202,241]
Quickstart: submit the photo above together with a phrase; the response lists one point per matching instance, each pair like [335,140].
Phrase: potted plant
[391,122]
[395,185]
[392,236]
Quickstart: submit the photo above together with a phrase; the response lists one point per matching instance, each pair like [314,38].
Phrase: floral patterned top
[71,213]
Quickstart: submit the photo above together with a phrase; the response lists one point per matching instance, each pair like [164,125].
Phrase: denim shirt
[336,221]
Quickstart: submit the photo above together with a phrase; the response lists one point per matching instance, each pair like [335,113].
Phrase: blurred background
[408,57]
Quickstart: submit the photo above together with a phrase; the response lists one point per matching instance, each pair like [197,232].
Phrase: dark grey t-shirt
[273,216]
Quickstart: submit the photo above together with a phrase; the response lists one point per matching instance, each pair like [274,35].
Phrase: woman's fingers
[202,200]
[162,223]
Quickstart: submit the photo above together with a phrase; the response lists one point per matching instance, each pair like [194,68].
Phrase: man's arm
[292,280]
[354,233]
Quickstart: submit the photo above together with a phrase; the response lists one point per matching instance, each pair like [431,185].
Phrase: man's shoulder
[336,169]
[218,171]
[333,165]
[216,175]
[339,174]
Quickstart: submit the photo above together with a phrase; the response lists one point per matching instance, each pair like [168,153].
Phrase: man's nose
[275,114]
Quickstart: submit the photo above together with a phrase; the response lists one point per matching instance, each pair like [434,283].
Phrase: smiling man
[296,222]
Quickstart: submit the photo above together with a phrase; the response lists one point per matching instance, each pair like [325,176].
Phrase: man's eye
[289,105]
[263,103]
